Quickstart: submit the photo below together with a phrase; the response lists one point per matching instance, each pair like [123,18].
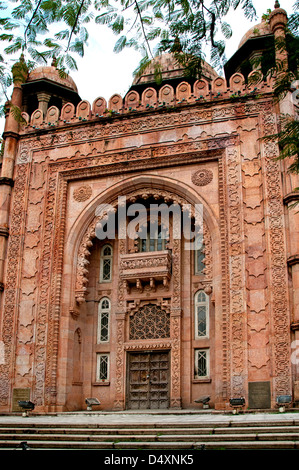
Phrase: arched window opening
[201,304]
[106,263]
[103,320]
[77,358]
[199,256]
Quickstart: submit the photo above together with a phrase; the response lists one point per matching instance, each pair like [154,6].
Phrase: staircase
[223,435]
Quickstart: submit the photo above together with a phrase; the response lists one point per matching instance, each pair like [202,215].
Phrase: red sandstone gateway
[142,322]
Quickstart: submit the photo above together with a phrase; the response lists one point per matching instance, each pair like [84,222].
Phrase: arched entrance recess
[80,241]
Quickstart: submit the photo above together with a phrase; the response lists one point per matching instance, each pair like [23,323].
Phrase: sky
[103,73]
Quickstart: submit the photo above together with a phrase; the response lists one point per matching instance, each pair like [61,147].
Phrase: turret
[10,142]
[278,20]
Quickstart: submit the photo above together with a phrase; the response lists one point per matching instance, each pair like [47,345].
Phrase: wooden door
[148,380]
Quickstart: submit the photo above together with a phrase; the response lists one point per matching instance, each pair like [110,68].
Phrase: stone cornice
[291,197]
[292,260]
[6,181]
[4,232]
[14,135]
[97,157]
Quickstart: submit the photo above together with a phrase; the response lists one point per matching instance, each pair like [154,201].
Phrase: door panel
[148,380]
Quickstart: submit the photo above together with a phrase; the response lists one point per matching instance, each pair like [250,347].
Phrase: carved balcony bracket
[145,269]
[134,306]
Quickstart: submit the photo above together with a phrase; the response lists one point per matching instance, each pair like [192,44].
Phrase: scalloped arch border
[143,186]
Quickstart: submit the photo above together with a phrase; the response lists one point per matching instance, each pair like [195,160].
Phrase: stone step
[253,445]
[151,438]
[249,445]
[155,431]
[233,434]
[174,445]
[116,433]
[257,429]
[26,423]
[79,437]
[231,437]
[152,430]
[53,445]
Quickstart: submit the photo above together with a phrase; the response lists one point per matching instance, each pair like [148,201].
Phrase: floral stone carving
[202,177]
[82,194]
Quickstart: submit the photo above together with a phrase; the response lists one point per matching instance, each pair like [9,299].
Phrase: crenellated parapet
[150,99]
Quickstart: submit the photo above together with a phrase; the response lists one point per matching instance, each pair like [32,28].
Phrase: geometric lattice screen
[150,322]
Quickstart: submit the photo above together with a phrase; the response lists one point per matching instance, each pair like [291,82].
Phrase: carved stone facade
[149,322]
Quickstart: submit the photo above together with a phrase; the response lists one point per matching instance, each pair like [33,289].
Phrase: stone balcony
[149,268]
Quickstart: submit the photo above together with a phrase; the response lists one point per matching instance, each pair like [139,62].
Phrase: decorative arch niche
[87,240]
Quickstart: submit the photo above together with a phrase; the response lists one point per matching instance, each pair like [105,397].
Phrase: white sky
[103,73]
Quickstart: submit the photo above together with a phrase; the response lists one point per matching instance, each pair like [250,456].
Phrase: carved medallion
[202,177]
[82,193]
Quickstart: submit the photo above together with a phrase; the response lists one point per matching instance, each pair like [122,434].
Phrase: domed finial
[176,45]
[277,4]
[20,70]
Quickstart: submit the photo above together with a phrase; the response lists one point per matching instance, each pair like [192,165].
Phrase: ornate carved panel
[149,322]
[280,315]
[148,267]
[11,288]
[237,272]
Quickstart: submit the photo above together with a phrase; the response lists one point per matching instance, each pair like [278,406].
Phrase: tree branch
[212,28]
[143,30]
[75,24]
[31,19]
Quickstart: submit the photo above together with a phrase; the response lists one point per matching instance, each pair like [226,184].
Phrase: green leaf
[15,47]
[120,44]
[70,62]
[226,30]
[6,37]
[78,47]
[62,34]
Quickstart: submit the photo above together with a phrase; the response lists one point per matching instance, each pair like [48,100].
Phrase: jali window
[150,321]
[103,367]
[103,320]
[106,263]
[201,363]
[201,303]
